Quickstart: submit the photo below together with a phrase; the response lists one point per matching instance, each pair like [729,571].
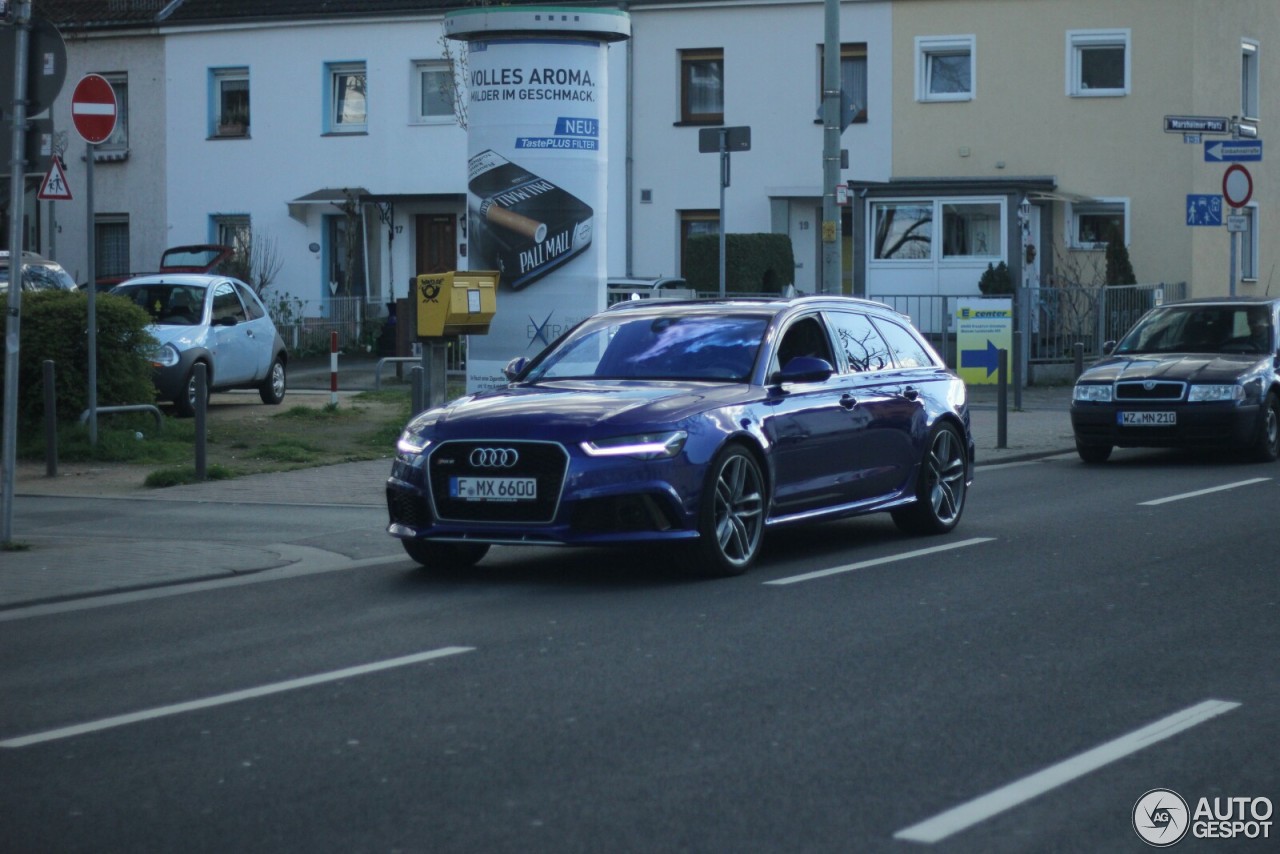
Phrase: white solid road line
[836,570]
[233,697]
[1200,492]
[966,815]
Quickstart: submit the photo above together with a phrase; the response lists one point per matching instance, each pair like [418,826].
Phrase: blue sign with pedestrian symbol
[1204,209]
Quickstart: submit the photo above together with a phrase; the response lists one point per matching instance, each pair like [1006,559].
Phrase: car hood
[1181,367]
[578,407]
[182,337]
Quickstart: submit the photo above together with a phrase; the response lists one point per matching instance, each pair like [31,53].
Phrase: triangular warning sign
[54,187]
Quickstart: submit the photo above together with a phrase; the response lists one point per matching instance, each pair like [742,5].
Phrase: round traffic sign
[93,108]
[1237,186]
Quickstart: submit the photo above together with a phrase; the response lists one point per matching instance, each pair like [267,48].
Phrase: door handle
[911,393]
[848,401]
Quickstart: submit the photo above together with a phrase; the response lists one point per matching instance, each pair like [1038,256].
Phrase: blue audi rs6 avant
[704,422]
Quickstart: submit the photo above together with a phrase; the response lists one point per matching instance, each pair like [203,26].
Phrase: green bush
[754,263]
[1119,267]
[996,280]
[54,326]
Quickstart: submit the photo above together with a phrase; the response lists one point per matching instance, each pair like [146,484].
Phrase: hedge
[54,326]
[754,263]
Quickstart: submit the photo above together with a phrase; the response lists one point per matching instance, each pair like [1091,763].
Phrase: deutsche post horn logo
[430,289]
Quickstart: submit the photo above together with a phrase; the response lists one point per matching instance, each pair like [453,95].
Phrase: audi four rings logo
[494,458]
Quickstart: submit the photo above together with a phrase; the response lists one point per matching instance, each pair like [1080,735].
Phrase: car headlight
[1204,393]
[412,442]
[1093,392]
[165,357]
[643,446]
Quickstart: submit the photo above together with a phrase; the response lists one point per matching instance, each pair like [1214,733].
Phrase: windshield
[1202,329]
[172,305]
[664,348]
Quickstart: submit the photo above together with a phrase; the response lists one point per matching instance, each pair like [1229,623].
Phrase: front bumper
[599,502]
[1199,425]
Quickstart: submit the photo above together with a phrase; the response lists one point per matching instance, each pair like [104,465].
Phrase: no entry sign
[93,108]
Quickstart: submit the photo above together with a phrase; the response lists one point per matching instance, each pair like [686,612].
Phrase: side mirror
[1108,347]
[515,368]
[804,369]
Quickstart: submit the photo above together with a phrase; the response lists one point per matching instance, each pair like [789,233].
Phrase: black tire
[1091,453]
[185,404]
[1267,446]
[273,385]
[445,555]
[942,485]
[730,516]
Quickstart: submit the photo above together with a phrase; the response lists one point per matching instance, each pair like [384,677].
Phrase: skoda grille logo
[1148,384]
[494,458]
[1161,818]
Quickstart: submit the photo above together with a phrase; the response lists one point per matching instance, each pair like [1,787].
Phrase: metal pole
[1002,400]
[724,182]
[1232,236]
[21,19]
[202,419]
[831,231]
[93,294]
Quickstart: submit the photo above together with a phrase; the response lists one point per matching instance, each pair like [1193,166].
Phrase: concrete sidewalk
[57,567]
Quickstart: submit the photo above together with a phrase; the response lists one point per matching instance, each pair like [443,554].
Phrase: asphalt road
[1086,635]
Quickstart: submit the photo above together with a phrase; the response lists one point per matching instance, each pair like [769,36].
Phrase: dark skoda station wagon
[1193,374]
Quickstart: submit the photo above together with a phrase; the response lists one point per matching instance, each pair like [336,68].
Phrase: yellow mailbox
[458,303]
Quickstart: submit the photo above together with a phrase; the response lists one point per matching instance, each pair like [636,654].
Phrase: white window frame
[1249,245]
[1250,56]
[422,69]
[1080,40]
[937,206]
[116,146]
[1098,205]
[334,71]
[929,48]
[219,76]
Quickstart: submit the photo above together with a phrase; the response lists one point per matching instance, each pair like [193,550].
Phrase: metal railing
[1057,317]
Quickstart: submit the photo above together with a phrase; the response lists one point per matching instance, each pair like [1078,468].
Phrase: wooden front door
[437,243]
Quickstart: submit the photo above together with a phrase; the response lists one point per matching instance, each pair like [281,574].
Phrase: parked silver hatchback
[211,320]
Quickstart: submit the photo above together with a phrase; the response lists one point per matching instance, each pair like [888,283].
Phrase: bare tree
[256,261]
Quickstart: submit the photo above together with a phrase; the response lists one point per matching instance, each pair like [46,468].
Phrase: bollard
[50,422]
[1015,369]
[202,410]
[333,368]
[1002,401]
[416,375]
[1078,349]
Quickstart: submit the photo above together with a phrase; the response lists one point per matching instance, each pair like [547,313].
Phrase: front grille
[1150,391]
[547,462]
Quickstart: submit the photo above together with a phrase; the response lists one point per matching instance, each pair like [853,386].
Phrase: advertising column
[537,87]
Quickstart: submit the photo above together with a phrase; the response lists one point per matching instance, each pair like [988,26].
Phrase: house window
[944,68]
[1097,63]
[347,104]
[694,224]
[433,92]
[1094,224]
[972,230]
[233,230]
[116,146]
[853,80]
[702,86]
[230,102]
[1249,79]
[1249,244]
[902,230]
[111,245]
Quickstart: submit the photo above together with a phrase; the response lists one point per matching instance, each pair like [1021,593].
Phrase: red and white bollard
[333,368]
